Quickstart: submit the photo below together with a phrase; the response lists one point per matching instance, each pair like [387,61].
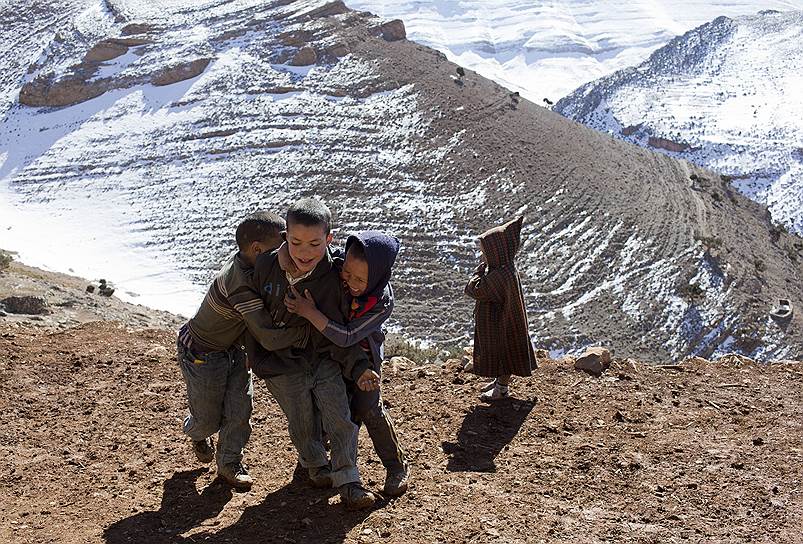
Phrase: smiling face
[355,274]
[307,245]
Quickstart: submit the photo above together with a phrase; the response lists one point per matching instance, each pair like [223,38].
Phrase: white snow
[546,49]
[731,90]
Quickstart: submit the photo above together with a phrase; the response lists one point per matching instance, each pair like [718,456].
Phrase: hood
[380,252]
[500,244]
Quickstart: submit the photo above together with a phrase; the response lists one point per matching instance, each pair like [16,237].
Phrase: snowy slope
[729,93]
[546,49]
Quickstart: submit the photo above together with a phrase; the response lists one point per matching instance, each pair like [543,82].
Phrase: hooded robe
[502,343]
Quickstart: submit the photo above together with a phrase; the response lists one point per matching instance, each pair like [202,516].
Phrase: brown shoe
[320,477]
[236,475]
[355,497]
[204,450]
[396,482]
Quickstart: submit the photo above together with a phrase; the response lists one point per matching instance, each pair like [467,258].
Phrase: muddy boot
[355,497]
[396,481]
[236,475]
[204,450]
[320,477]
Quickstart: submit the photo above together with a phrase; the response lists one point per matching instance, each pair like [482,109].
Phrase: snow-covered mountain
[726,96]
[546,49]
[135,134]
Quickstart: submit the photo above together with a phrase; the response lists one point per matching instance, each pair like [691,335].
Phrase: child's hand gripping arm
[340,334]
[368,381]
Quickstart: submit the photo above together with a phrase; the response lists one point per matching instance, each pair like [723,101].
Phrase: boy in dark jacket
[502,345]
[301,379]
[211,356]
[365,273]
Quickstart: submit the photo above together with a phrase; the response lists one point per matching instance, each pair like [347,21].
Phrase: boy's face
[355,275]
[265,246]
[307,245]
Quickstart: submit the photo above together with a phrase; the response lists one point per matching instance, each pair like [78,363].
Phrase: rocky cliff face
[160,124]
[724,96]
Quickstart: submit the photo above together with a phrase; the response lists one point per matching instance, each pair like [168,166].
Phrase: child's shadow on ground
[292,513]
[182,508]
[485,431]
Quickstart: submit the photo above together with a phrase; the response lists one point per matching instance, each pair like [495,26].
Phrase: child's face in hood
[307,245]
[355,274]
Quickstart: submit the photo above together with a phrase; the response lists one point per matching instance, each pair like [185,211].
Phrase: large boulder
[305,56]
[393,31]
[594,361]
[180,72]
[26,304]
[48,92]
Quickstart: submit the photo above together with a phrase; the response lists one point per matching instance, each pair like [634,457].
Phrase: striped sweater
[229,308]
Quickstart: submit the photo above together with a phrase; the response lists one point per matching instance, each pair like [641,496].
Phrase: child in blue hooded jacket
[366,272]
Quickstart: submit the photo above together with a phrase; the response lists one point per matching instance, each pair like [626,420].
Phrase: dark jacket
[501,336]
[324,285]
[370,311]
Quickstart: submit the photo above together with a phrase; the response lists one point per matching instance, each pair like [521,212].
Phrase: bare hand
[301,305]
[368,381]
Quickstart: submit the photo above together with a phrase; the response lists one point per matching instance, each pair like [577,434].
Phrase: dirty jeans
[298,395]
[220,394]
[367,407]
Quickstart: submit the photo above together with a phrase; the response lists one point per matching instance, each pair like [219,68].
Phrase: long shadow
[182,508]
[485,431]
[293,513]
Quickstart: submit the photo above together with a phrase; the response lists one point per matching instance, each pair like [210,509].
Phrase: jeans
[298,395]
[220,394]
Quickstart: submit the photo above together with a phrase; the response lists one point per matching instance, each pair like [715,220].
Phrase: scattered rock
[90,288]
[26,304]
[400,363]
[594,361]
[393,31]
[3,314]
[137,28]
[758,441]
[338,50]
[305,56]
[105,50]
[328,10]
[669,145]
[180,72]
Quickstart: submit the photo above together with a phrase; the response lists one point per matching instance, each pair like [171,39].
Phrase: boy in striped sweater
[211,351]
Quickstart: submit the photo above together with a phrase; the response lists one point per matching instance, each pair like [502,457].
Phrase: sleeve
[486,285]
[358,329]
[353,361]
[247,302]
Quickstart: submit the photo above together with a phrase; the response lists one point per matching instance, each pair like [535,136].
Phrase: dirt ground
[92,451]
[91,448]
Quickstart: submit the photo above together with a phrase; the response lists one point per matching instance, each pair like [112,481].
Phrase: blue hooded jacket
[380,253]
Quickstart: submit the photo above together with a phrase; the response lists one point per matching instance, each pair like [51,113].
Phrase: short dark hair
[258,227]
[357,251]
[310,212]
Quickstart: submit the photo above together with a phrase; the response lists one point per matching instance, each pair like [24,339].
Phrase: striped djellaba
[502,343]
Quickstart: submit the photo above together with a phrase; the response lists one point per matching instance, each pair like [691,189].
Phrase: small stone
[758,441]
[594,361]
[90,288]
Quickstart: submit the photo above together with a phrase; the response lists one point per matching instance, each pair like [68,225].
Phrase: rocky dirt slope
[92,452]
[209,111]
